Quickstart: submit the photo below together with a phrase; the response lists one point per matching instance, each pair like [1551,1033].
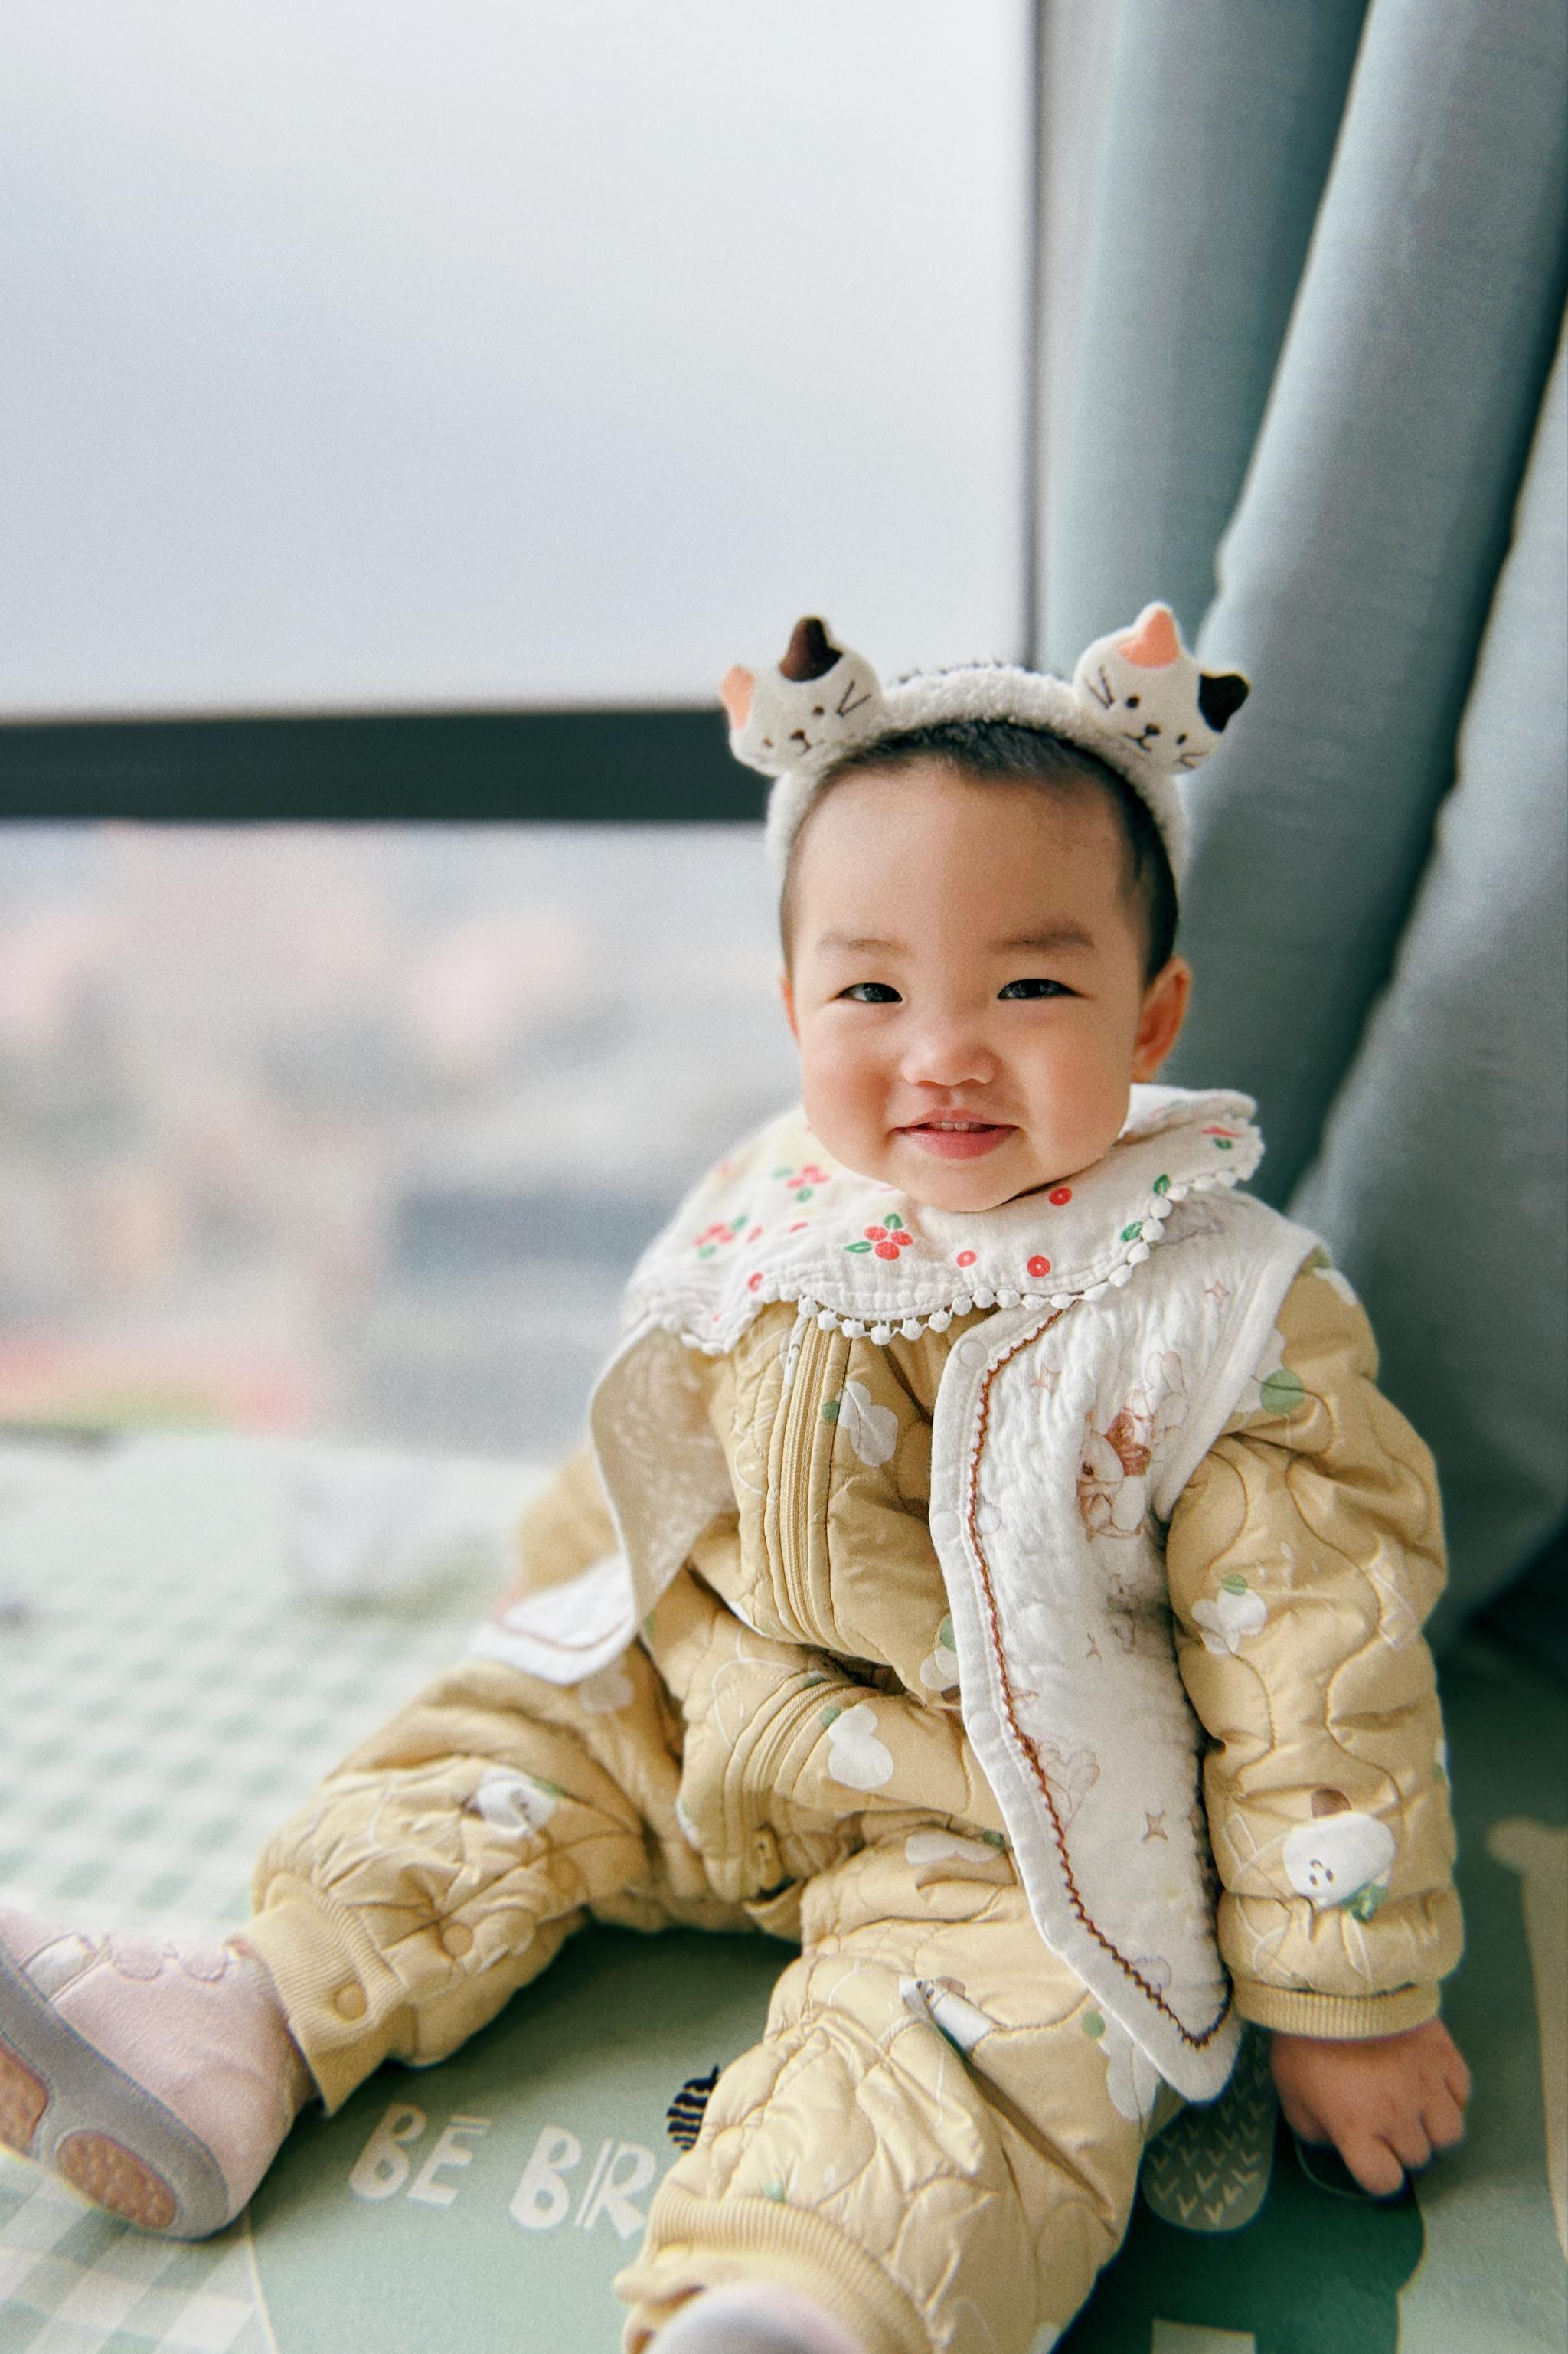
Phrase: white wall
[373,353]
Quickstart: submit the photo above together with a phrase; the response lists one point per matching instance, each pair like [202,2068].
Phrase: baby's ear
[735,695]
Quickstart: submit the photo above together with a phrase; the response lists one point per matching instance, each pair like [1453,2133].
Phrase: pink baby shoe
[159,2079]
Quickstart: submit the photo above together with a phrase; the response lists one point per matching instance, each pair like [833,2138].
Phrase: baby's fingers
[1374,2165]
[1443,2120]
[1409,2142]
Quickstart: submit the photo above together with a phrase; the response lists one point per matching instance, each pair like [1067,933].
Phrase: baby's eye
[1035,988]
[871,993]
[1133,701]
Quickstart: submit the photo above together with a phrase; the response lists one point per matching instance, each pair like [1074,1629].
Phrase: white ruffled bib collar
[780,1219]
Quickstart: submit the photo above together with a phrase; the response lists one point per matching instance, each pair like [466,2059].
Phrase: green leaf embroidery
[857,1246]
[1163,1184]
[1234,1584]
[1283,1391]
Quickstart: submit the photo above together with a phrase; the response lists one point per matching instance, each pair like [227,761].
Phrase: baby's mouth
[950,1136]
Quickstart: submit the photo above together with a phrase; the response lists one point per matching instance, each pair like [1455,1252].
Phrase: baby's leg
[449,1858]
[432,1874]
[927,2197]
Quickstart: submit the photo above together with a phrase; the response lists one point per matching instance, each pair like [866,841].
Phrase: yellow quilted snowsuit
[936,2137]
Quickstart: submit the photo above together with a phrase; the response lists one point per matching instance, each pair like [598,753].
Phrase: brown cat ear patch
[1329,1802]
[1221,694]
[811,652]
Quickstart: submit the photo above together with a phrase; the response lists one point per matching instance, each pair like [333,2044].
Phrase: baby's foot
[755,2317]
[159,2079]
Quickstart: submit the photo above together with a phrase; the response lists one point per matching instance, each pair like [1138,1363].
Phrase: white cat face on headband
[1138,699]
[1149,691]
[821,701]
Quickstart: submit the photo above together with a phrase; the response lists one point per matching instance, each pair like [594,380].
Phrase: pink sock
[755,2317]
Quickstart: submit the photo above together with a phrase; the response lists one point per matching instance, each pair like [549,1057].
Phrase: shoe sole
[66,2106]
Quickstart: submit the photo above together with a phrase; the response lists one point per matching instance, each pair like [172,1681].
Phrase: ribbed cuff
[695,2244]
[344,2006]
[1335,2017]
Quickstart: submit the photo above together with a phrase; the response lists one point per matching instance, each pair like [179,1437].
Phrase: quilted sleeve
[1303,1558]
[566,1528]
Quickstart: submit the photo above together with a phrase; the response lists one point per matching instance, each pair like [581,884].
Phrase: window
[512,370]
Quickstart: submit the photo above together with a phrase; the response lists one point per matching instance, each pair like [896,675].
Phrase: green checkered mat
[166,1695]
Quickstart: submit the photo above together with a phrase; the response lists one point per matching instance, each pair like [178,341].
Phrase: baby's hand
[1385,2103]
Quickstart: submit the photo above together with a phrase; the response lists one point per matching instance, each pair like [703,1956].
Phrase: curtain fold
[1387,983]
[1441,1176]
[1218,125]
[1357,571]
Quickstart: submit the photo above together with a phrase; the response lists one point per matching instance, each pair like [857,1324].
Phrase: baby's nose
[948,1056]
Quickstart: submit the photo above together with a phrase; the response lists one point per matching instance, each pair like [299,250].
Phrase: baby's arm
[565,1529]
[1302,1557]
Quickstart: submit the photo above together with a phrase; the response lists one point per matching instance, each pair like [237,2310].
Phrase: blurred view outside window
[388,357]
[358,1131]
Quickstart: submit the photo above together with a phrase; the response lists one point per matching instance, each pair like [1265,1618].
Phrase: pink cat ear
[735,693]
[1155,642]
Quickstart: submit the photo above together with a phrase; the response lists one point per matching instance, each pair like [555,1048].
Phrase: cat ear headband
[1137,698]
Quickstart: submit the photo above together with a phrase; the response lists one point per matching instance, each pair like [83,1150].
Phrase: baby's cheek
[844,1093]
[1078,1088]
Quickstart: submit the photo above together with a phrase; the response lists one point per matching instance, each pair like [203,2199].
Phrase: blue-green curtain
[1324,291]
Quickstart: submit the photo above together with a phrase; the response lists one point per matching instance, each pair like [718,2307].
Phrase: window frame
[616,766]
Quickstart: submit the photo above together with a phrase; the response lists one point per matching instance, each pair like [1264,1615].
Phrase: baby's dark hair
[1003,751]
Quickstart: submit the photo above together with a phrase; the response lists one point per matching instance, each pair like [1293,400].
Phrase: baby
[974,1452]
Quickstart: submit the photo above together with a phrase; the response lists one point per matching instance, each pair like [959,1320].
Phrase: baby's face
[966,983]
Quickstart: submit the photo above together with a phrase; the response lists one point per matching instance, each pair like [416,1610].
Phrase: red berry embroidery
[1059,1194]
[966,1258]
[716,1236]
[885,1241]
[1038,1266]
[802,1183]
[754,1282]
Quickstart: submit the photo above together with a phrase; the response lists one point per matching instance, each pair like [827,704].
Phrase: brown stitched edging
[1024,1740]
